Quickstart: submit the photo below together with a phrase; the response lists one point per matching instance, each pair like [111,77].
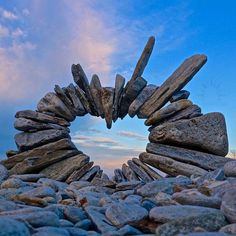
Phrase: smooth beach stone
[229,229]
[52,103]
[207,133]
[129,173]
[6,205]
[52,231]
[40,192]
[182,94]
[228,206]
[168,111]
[84,224]
[118,176]
[205,234]
[121,214]
[174,83]
[74,214]
[13,183]
[230,169]
[26,141]
[11,227]
[29,177]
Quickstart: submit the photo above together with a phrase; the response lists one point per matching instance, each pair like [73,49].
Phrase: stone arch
[182,140]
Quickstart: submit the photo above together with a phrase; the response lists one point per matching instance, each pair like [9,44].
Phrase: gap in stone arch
[109,148]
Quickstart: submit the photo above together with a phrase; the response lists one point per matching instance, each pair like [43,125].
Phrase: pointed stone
[96,91]
[81,80]
[200,159]
[119,87]
[41,117]
[173,84]
[119,177]
[77,174]
[45,151]
[182,94]
[62,95]
[139,171]
[147,169]
[132,90]
[29,125]
[26,141]
[129,173]
[107,101]
[168,111]
[141,99]
[61,170]
[90,174]
[77,104]
[170,166]
[143,60]
[207,133]
[82,96]
[52,103]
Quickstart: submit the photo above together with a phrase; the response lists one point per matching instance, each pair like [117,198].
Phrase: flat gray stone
[74,214]
[168,111]
[52,103]
[26,141]
[13,183]
[11,227]
[65,144]
[84,100]
[209,222]
[96,91]
[119,87]
[141,99]
[90,174]
[207,133]
[131,91]
[3,173]
[129,173]
[40,192]
[118,176]
[121,214]
[29,177]
[165,185]
[41,117]
[52,231]
[170,166]
[6,205]
[230,169]
[229,229]
[228,206]
[107,101]
[200,159]
[61,170]
[182,94]
[173,84]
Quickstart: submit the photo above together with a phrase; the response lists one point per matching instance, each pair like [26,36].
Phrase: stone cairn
[49,187]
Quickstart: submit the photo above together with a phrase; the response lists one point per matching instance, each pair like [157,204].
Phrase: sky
[40,40]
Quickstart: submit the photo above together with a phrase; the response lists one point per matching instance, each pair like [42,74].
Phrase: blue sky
[39,40]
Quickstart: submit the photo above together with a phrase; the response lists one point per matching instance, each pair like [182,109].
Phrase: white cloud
[17,33]
[9,15]
[134,135]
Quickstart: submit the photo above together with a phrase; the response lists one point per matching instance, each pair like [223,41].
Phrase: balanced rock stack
[55,189]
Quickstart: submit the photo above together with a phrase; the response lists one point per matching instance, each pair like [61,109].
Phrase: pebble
[230,169]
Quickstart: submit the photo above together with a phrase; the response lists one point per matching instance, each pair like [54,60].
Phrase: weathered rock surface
[228,206]
[90,174]
[141,99]
[128,173]
[26,141]
[62,169]
[173,84]
[132,90]
[119,87]
[3,173]
[207,133]
[143,60]
[84,100]
[201,159]
[107,101]
[182,94]
[52,103]
[96,91]
[230,229]
[230,169]
[170,166]
[168,111]
[121,214]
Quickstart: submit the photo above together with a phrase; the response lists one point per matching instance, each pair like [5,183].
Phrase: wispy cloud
[9,15]
[128,134]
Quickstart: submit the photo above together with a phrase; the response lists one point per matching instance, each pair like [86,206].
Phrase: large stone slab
[45,151]
[173,84]
[41,117]
[132,90]
[62,169]
[129,173]
[107,101]
[52,103]
[78,107]
[28,125]
[170,166]
[143,60]
[119,87]
[81,80]
[121,214]
[84,100]
[207,133]
[167,111]
[96,91]
[26,141]
[228,206]
[200,159]
[141,99]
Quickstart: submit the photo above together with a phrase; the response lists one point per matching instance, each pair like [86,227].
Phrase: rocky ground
[31,204]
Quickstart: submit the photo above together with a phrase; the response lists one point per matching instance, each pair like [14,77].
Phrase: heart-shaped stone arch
[45,146]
